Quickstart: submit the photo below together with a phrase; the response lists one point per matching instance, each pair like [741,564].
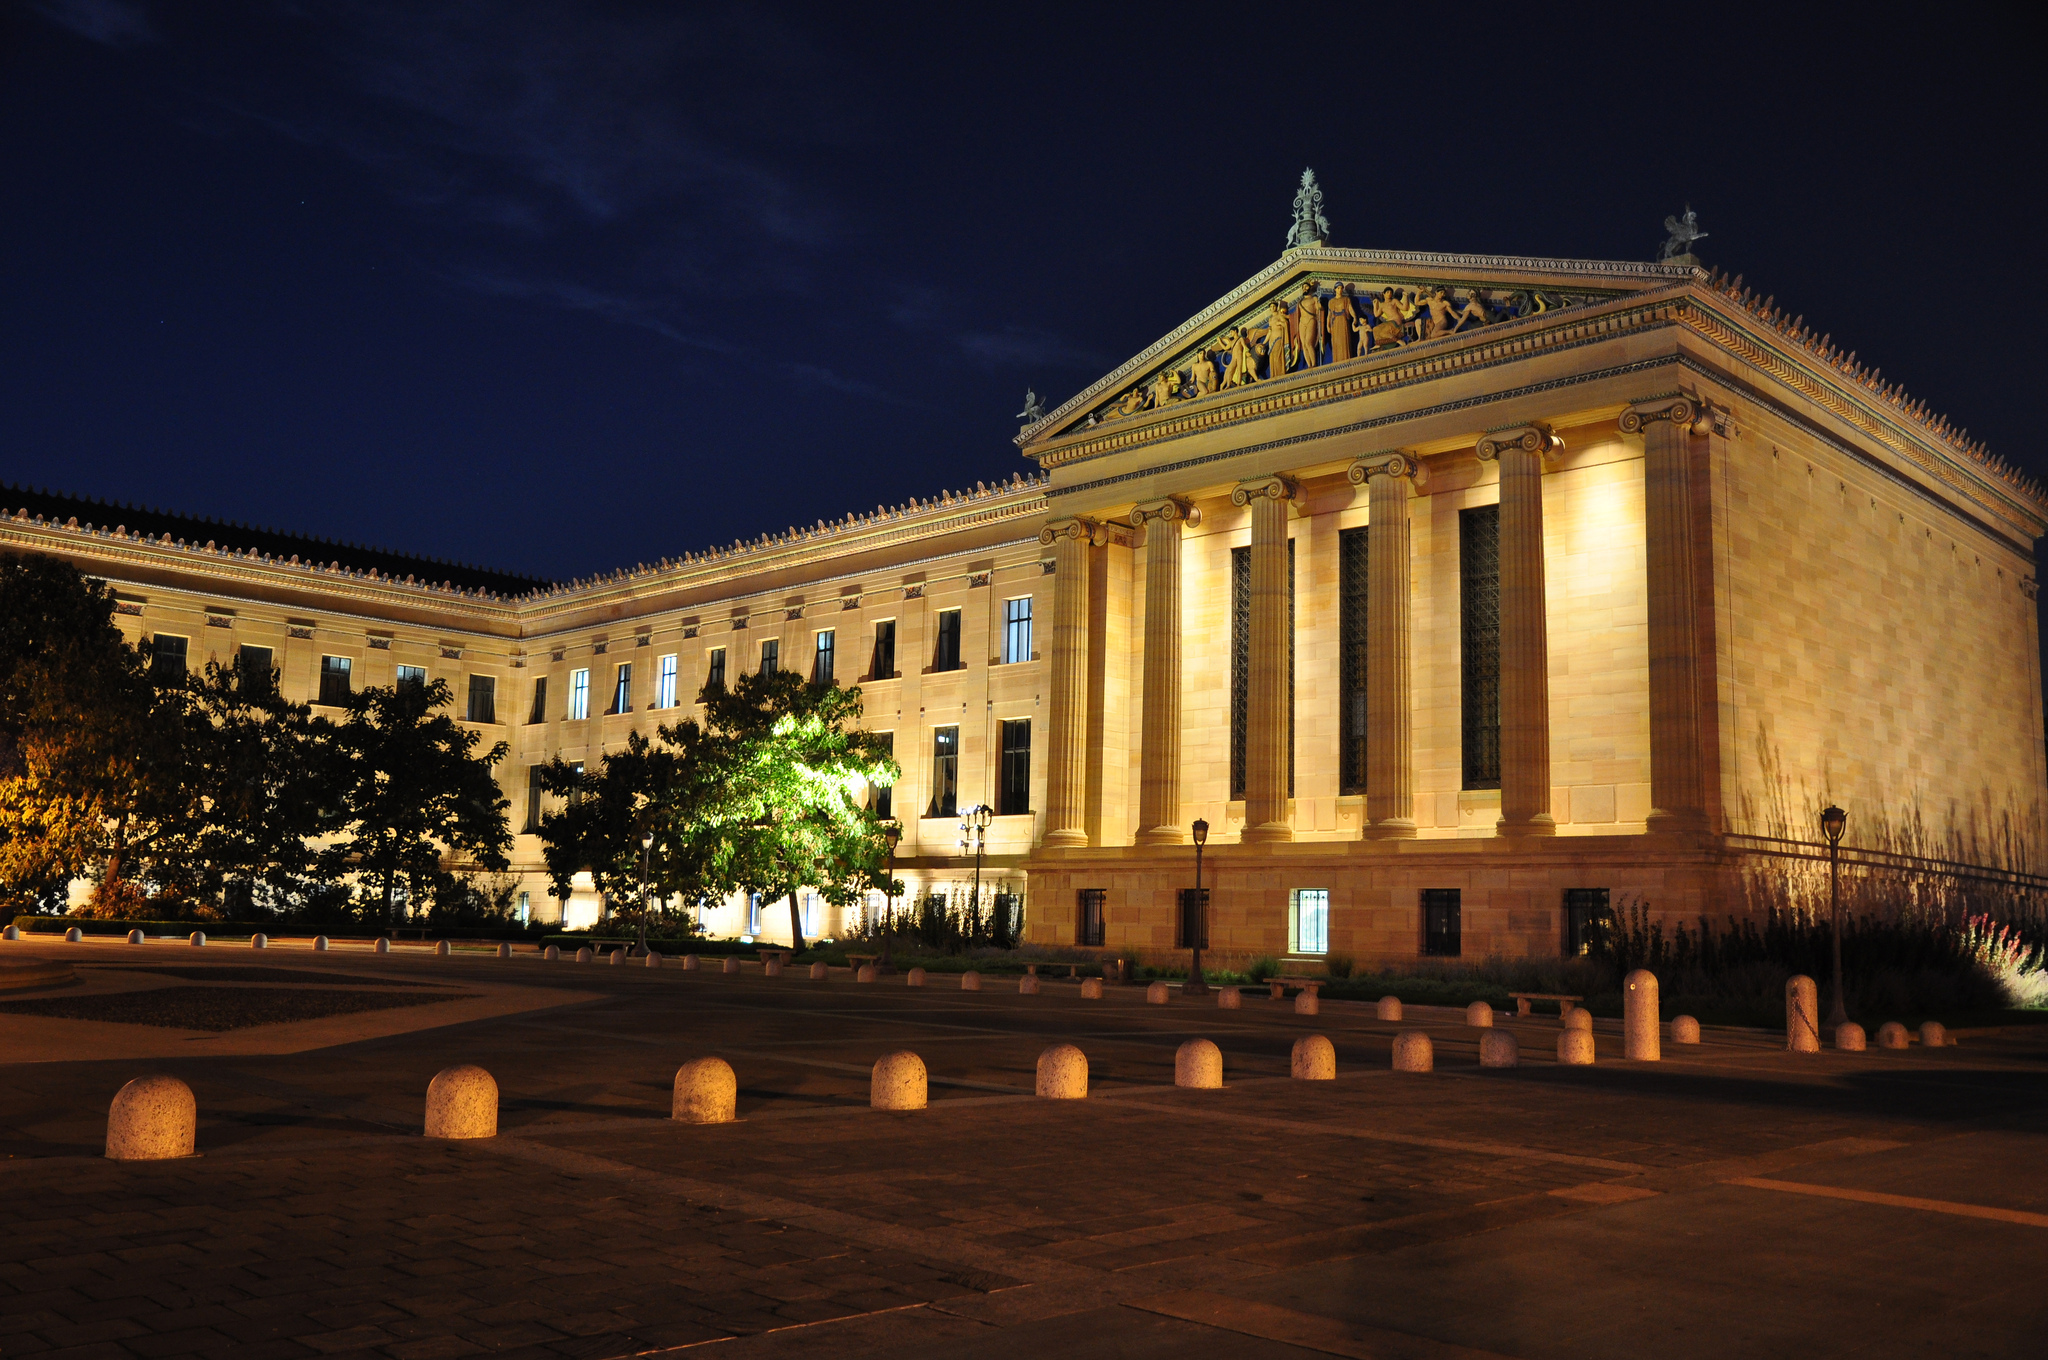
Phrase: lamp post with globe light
[1195,920]
[892,832]
[1833,821]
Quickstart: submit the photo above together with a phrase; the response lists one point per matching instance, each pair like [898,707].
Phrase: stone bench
[854,961]
[1301,982]
[1564,1003]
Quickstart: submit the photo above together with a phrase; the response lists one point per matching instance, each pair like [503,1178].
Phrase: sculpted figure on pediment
[1341,319]
[1240,362]
[1392,310]
[1279,339]
[1202,376]
[1474,311]
[1439,315]
[1164,388]
[1129,404]
[1309,327]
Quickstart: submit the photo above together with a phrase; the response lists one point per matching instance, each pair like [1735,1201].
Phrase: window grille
[1588,916]
[1016,631]
[714,674]
[411,675]
[821,658]
[1088,915]
[1014,796]
[1191,921]
[1479,642]
[771,656]
[1442,928]
[167,657]
[946,655]
[945,772]
[539,712]
[483,699]
[1241,665]
[334,679]
[884,666]
[1309,923]
[1352,580]
[579,695]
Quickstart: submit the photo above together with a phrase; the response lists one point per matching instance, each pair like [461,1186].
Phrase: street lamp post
[1833,821]
[1197,918]
[646,850]
[974,836]
[892,832]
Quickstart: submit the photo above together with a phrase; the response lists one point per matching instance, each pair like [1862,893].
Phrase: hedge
[242,930]
[655,943]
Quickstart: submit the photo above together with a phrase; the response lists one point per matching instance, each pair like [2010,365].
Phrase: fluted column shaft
[1524,634]
[1677,801]
[1390,725]
[1066,778]
[1266,707]
[1159,733]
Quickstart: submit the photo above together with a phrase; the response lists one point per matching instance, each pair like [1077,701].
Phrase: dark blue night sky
[558,288]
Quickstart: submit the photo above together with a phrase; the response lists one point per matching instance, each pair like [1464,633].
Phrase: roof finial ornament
[1033,411]
[1680,233]
[1310,227]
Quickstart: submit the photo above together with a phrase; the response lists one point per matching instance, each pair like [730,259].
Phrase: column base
[1266,831]
[1066,839]
[1391,829]
[1682,821]
[1162,835]
[1542,824]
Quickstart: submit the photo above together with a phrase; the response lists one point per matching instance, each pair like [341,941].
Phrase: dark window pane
[539,712]
[1241,666]
[945,772]
[1442,928]
[1014,796]
[1587,919]
[411,675]
[483,699]
[1191,922]
[884,665]
[622,690]
[1088,915]
[1351,657]
[334,679]
[714,675]
[257,673]
[167,657]
[884,798]
[771,656]
[1479,642]
[946,655]
[533,797]
[821,662]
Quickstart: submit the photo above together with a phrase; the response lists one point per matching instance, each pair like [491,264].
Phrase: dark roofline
[61,506]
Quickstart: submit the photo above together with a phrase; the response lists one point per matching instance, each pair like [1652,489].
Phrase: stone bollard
[73,935]
[1307,1002]
[1028,985]
[653,959]
[1579,1018]
[1849,1037]
[1063,1071]
[1639,1015]
[1499,1048]
[899,1082]
[504,949]
[1802,1015]
[865,973]
[1933,1034]
[731,965]
[135,937]
[706,1093]
[771,967]
[462,1102]
[970,981]
[259,941]
[1390,1008]
[198,939]
[584,955]
[383,946]
[1892,1034]
[1157,994]
[691,963]
[616,958]
[1091,989]
[1684,1030]
[1314,1059]
[443,949]
[1229,999]
[915,977]
[1413,1052]
[319,944]
[11,933]
[152,1119]
[551,953]
[1575,1047]
[821,973]
[1198,1064]
[1479,1015]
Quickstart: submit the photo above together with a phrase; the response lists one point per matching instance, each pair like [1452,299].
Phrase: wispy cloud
[820,376]
[1027,347]
[116,23]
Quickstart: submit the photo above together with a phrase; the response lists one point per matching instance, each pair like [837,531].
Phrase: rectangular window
[1588,917]
[946,653]
[1479,643]
[534,795]
[525,908]
[714,674]
[1241,664]
[753,913]
[1013,794]
[411,675]
[255,665]
[884,666]
[167,657]
[579,695]
[812,914]
[1352,579]
[539,712]
[771,656]
[882,798]
[1016,631]
[1442,930]
[821,658]
[945,772]
[622,689]
[1191,921]
[334,678]
[1088,915]
[665,682]
[1308,921]
[483,699]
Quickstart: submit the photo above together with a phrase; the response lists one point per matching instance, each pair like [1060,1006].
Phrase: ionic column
[1066,773]
[1159,755]
[1390,725]
[1524,632]
[1677,801]
[1266,707]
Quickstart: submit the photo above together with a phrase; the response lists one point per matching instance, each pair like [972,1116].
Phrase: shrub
[1340,965]
[1261,969]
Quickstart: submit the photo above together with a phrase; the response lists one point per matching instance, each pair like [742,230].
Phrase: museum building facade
[1463,599]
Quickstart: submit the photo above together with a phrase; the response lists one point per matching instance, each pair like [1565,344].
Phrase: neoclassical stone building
[1462,597]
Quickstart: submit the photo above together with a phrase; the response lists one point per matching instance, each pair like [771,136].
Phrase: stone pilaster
[1266,710]
[1067,755]
[1524,630]
[1159,754]
[1389,709]
[1677,800]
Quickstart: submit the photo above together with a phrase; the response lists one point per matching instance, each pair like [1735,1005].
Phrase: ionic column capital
[1389,463]
[1274,488]
[1166,512]
[1537,439]
[1072,527]
[1680,408]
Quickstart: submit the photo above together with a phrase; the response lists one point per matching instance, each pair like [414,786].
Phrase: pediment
[1319,307]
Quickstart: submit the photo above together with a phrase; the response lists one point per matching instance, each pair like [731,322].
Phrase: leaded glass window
[1351,654]
[1241,664]
[1479,642]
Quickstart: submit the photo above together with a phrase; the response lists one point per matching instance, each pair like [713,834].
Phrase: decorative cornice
[1271,488]
[1537,439]
[1390,463]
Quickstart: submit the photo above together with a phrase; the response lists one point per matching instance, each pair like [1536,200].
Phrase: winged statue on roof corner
[1680,233]
[1033,411]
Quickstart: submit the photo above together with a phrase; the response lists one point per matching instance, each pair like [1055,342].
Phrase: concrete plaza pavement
[1734,1199]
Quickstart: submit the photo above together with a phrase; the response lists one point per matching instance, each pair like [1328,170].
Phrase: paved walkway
[1733,1200]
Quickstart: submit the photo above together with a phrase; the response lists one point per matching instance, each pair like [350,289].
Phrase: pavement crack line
[1933,1206]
